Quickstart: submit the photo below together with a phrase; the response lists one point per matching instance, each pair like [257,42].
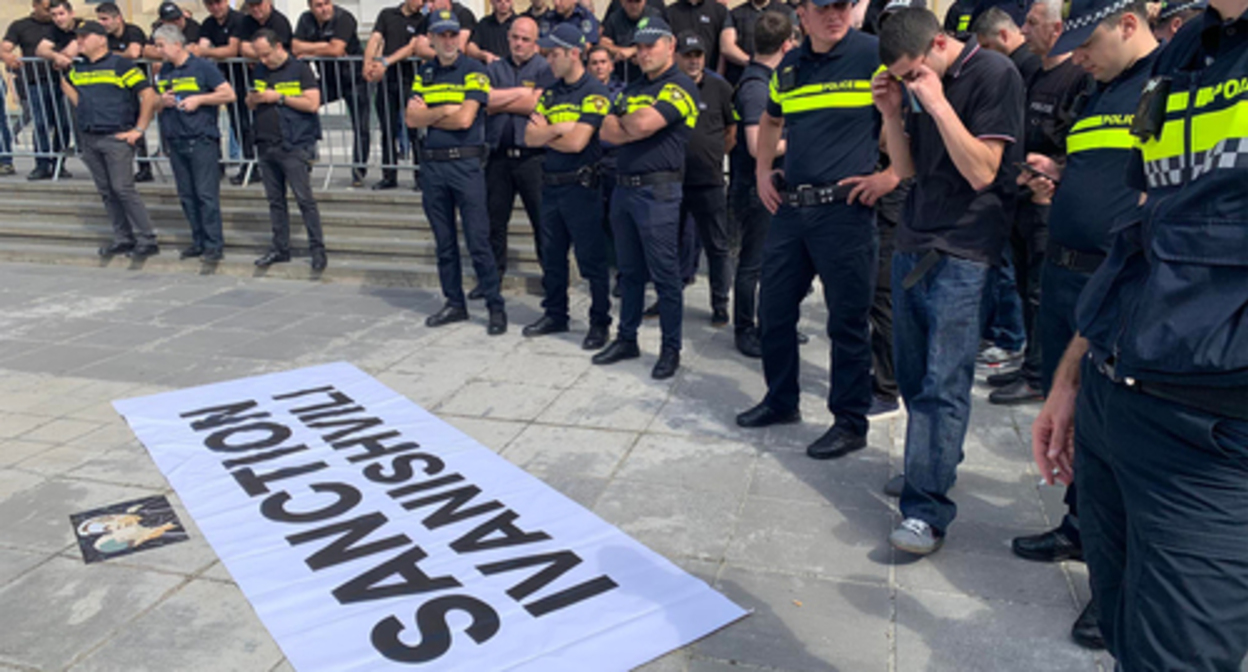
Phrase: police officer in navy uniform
[651,122]
[1156,382]
[449,95]
[570,11]
[1173,15]
[566,122]
[1091,196]
[820,94]
[114,104]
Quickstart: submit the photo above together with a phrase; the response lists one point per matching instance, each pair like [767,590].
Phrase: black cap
[91,28]
[170,11]
[688,42]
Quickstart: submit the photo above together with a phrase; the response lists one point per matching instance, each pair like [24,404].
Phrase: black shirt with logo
[744,18]
[1051,96]
[704,161]
[218,34]
[491,35]
[26,34]
[621,30]
[341,26]
[130,34]
[397,29]
[707,18]
[278,23]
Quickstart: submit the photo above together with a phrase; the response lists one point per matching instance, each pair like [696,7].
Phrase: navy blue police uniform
[832,125]
[752,219]
[451,177]
[1161,421]
[571,193]
[581,18]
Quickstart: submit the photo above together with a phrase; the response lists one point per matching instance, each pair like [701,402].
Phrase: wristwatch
[281,99]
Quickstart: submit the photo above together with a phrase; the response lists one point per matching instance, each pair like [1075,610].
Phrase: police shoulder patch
[596,103]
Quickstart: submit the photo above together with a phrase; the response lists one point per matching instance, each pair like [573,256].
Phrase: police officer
[115,103]
[126,40]
[1173,15]
[387,65]
[571,11]
[1092,195]
[516,84]
[566,122]
[1156,382]
[820,94]
[191,89]
[617,37]
[448,101]
[285,103]
[995,30]
[651,121]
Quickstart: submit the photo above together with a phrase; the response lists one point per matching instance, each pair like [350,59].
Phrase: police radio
[1150,115]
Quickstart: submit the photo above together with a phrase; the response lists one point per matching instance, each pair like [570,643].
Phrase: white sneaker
[995,356]
[915,536]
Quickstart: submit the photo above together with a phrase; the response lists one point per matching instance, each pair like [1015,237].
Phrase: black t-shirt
[749,102]
[744,18]
[62,38]
[1051,96]
[277,23]
[218,33]
[620,30]
[1027,62]
[26,34]
[130,34]
[491,35]
[704,161]
[674,96]
[708,19]
[341,26]
[291,79]
[615,6]
[397,29]
[944,212]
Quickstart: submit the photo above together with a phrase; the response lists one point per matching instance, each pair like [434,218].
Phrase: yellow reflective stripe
[439,97]
[260,85]
[823,101]
[132,77]
[1210,128]
[92,77]
[1177,101]
[773,88]
[289,88]
[1169,145]
[560,113]
[1102,120]
[477,81]
[677,97]
[964,23]
[1230,90]
[596,105]
[634,103]
[1109,138]
[179,85]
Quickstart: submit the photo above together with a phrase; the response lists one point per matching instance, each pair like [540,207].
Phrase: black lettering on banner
[566,598]
[557,564]
[274,506]
[373,446]
[343,548]
[329,414]
[257,484]
[452,511]
[430,484]
[349,427]
[402,468]
[435,633]
[262,457]
[271,433]
[226,414]
[339,399]
[415,581]
[303,393]
[508,535]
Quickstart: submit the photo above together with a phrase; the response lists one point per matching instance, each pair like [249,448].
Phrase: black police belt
[452,153]
[648,179]
[810,195]
[586,176]
[1227,402]
[1073,260]
[519,152]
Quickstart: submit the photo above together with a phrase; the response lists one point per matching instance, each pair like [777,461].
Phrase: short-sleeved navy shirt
[707,18]
[674,96]
[278,23]
[507,130]
[108,93]
[944,212]
[282,124]
[582,18]
[130,34]
[749,102]
[744,18]
[585,101]
[463,80]
[491,34]
[1093,194]
[26,34]
[825,99]
[704,160]
[621,30]
[194,77]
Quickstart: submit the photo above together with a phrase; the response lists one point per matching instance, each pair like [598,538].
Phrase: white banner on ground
[370,535]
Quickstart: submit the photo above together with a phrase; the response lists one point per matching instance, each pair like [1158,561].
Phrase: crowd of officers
[1097,147]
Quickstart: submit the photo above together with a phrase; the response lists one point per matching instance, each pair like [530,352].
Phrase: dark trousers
[753,220]
[936,338]
[606,173]
[240,116]
[51,121]
[571,217]
[198,177]
[448,186]
[111,162]
[1028,240]
[838,243]
[708,207]
[1001,311]
[644,221]
[504,178]
[1163,496]
[6,137]
[355,96]
[279,168]
[389,102]
[883,375]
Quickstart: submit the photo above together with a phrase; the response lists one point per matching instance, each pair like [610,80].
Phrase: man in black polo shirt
[490,36]
[285,100]
[960,144]
[219,39]
[651,122]
[32,81]
[617,37]
[115,103]
[713,23]
[126,40]
[744,19]
[995,30]
[516,84]
[327,31]
[170,14]
[386,64]
[704,200]
[59,47]
[191,89]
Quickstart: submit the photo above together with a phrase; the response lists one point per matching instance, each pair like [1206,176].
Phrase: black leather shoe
[447,315]
[385,184]
[212,257]
[39,174]
[237,180]
[112,249]
[498,322]
[834,443]
[617,290]
[669,361]
[191,252]
[763,415]
[719,317]
[273,257]
[144,175]
[619,350]
[651,311]
[545,325]
[1005,378]
[1051,546]
[596,339]
[477,293]
[895,485]
[1017,392]
[319,261]
[144,251]
[1087,629]
[748,343]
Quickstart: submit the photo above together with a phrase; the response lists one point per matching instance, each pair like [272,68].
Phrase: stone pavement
[802,543]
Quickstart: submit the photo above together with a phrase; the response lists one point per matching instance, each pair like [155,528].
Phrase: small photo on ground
[125,528]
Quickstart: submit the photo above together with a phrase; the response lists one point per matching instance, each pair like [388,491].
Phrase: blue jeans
[1001,315]
[51,120]
[197,172]
[6,138]
[935,340]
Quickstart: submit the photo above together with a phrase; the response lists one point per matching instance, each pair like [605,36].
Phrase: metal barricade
[43,111]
